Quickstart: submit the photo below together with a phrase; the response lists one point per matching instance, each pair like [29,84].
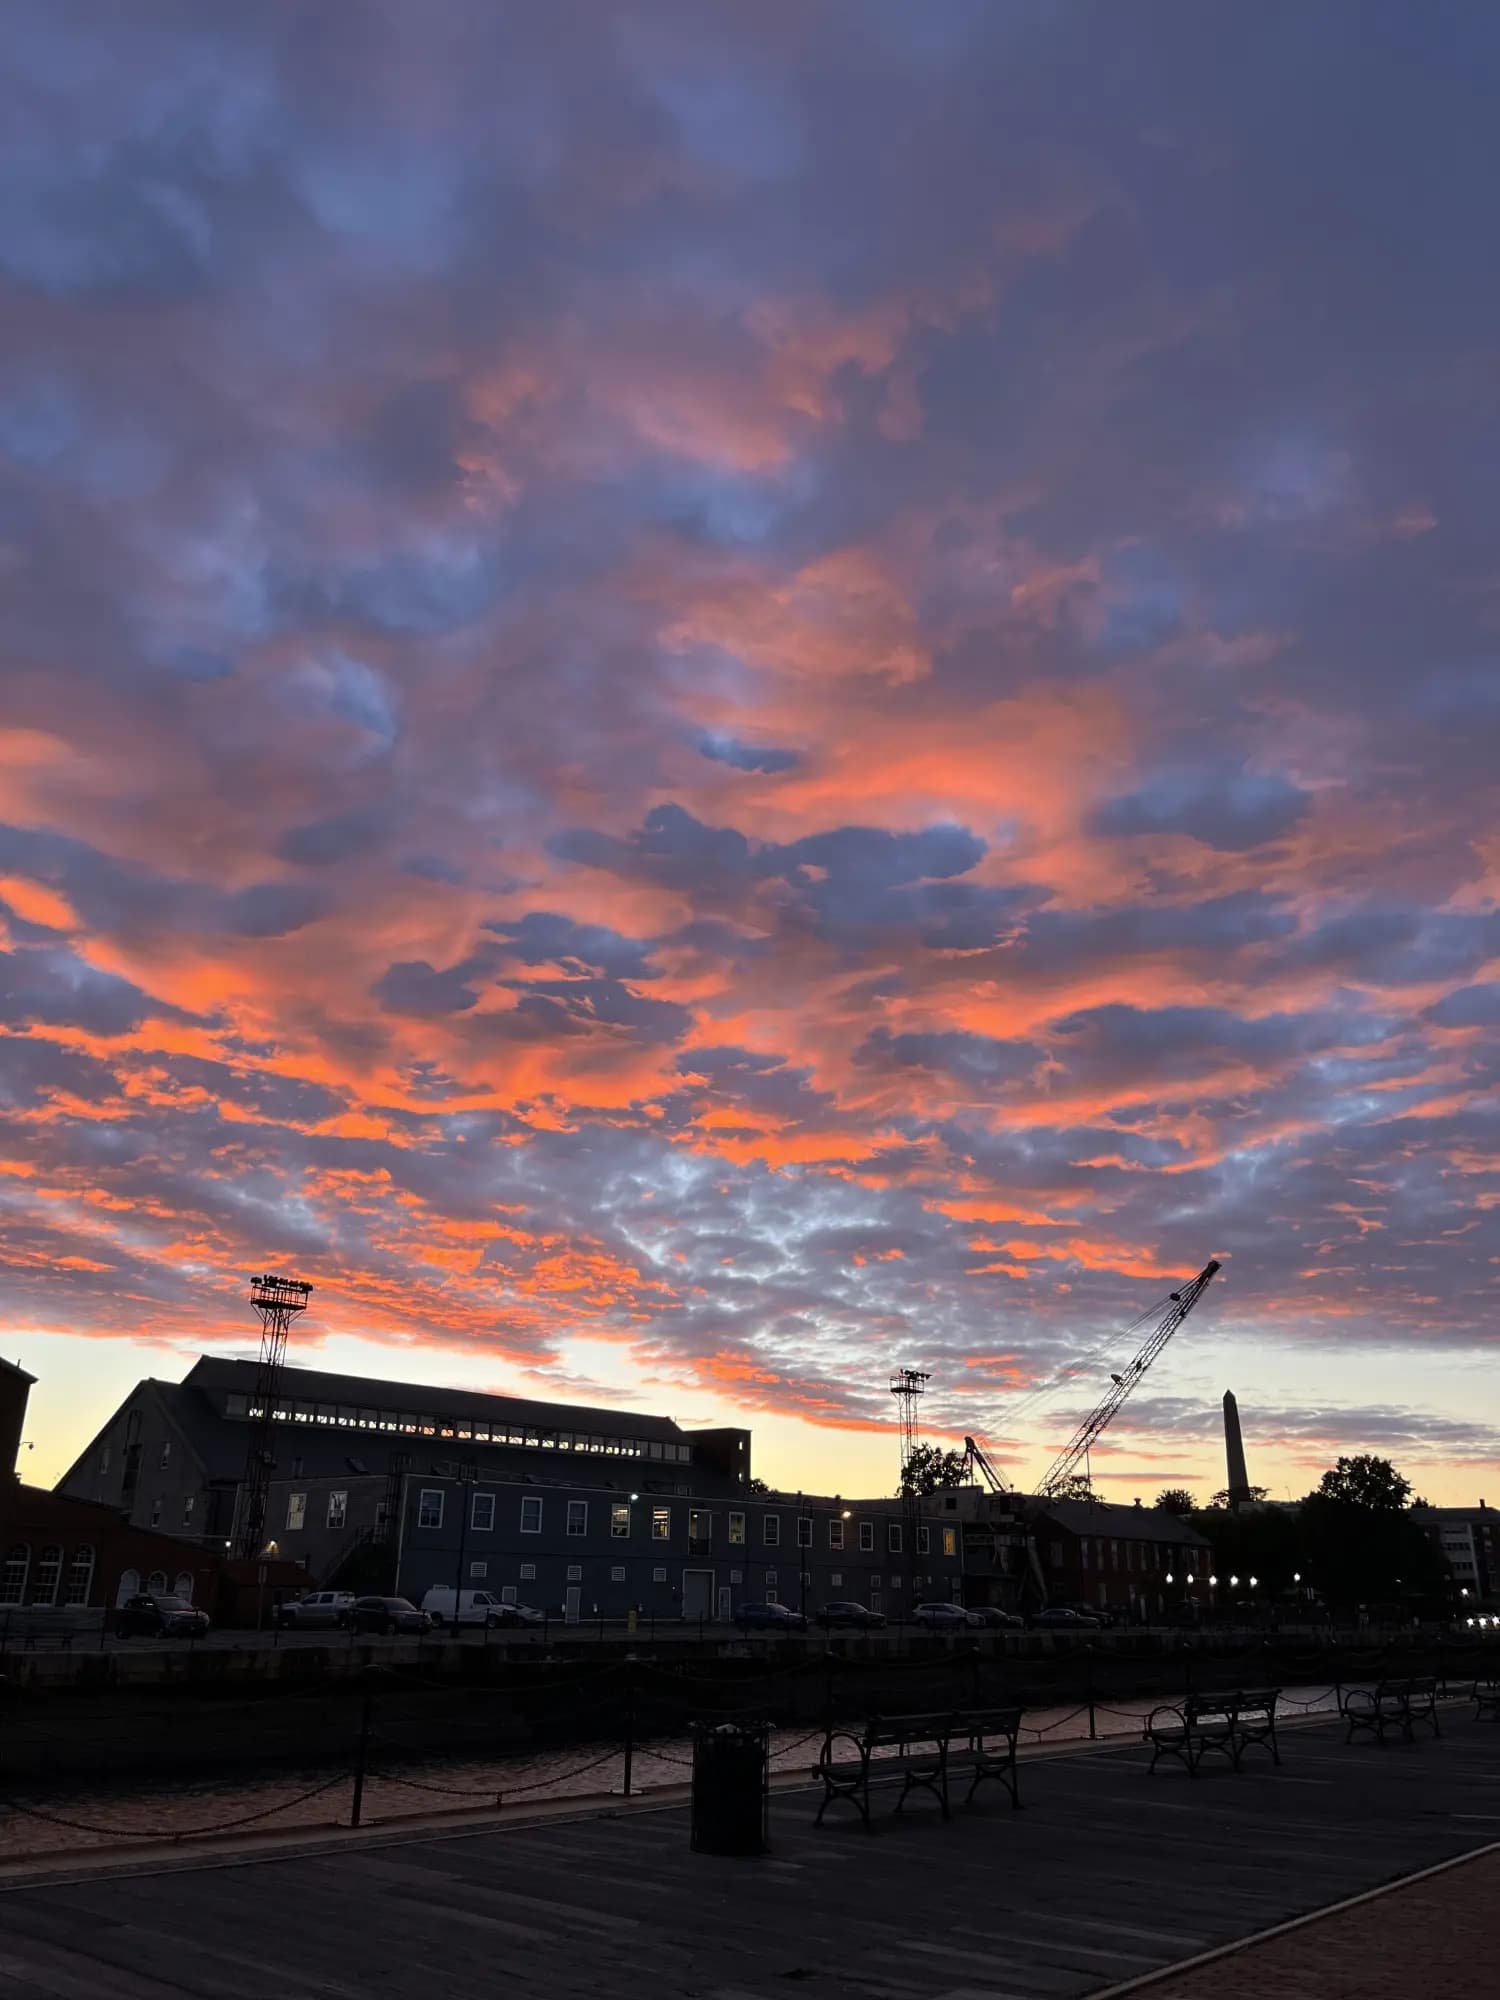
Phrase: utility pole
[468,1479]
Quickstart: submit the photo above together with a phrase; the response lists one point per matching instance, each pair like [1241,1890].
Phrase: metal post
[629,1722]
[458,1581]
[1088,1673]
[361,1753]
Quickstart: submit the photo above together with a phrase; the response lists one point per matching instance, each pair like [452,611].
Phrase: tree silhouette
[1176,1500]
[929,1467]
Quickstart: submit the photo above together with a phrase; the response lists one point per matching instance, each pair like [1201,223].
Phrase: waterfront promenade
[1109,1876]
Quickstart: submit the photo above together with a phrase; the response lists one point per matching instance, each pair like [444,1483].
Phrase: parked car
[318,1608]
[857,1616]
[476,1607]
[770,1617]
[940,1617]
[992,1616]
[388,1615]
[1063,1618]
[160,1617]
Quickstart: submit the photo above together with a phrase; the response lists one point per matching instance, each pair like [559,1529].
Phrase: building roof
[217,1375]
[15,1368]
[1105,1517]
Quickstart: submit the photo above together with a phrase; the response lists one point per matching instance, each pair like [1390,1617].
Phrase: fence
[395,1741]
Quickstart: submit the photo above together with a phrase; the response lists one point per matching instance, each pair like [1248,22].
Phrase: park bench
[1230,1724]
[1487,1700]
[1394,1704]
[923,1749]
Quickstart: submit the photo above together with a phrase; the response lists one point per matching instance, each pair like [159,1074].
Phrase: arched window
[130,1584]
[48,1572]
[183,1587]
[156,1583]
[80,1575]
[15,1572]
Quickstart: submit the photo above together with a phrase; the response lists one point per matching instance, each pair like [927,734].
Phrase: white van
[475,1607]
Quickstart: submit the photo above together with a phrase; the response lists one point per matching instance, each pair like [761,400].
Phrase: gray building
[580,1511]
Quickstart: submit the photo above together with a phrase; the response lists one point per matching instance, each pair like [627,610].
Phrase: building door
[726,1605]
[571,1597]
[697,1593]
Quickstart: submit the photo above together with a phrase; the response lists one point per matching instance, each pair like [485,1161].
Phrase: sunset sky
[699,699]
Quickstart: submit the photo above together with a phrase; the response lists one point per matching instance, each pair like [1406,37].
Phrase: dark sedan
[1062,1618]
[160,1617]
[770,1617]
[996,1619]
[388,1615]
[858,1617]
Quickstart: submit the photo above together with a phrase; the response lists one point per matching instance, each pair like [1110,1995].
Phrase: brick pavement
[1436,1939]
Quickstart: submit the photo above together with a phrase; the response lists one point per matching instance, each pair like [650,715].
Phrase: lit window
[950,1541]
[338,1509]
[531,1514]
[578,1517]
[736,1530]
[296,1510]
[661,1524]
[430,1507]
[619,1521]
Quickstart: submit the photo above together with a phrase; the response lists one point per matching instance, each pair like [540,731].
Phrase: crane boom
[1099,1420]
[975,1454]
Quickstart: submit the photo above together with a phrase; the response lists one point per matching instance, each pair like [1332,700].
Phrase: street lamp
[1254,1581]
[1191,1578]
[1172,1579]
[1234,1583]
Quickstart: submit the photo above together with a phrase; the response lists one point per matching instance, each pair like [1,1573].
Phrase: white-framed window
[296,1510]
[189,1501]
[478,1571]
[528,1572]
[836,1579]
[430,1507]
[80,1575]
[867,1538]
[619,1521]
[836,1532]
[617,1573]
[531,1513]
[13,1575]
[338,1508]
[770,1582]
[658,1576]
[874,1585]
[950,1541]
[482,1513]
[770,1529]
[48,1575]
[736,1531]
[804,1531]
[578,1517]
[893,1537]
[156,1583]
[575,1572]
[924,1540]
[661,1524]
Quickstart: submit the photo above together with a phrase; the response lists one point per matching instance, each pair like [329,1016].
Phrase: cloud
[626,697]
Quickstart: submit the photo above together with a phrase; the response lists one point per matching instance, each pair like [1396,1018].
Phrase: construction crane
[1098,1421]
[974,1456]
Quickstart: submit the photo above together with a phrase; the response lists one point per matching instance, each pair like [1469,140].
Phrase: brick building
[1468,1539]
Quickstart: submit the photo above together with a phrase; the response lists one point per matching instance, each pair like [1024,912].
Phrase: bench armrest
[1178,1715]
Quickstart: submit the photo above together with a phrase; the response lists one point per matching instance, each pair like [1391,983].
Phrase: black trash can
[729,1787]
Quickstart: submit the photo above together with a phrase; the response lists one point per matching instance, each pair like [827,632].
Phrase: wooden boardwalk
[1107,1875]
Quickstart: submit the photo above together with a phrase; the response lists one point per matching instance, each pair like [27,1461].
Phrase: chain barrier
[182,1833]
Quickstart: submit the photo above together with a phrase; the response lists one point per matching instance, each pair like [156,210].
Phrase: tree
[1077,1486]
[1227,1497]
[758,1487]
[1176,1500]
[1366,1481]
[929,1467]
